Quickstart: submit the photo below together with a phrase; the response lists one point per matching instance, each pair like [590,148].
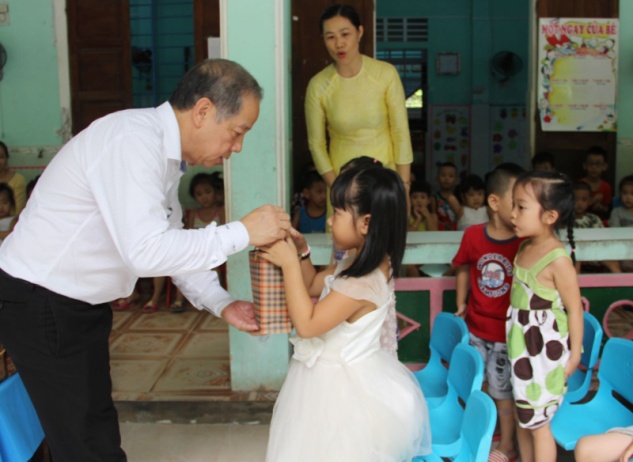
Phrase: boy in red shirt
[595,164]
[484,265]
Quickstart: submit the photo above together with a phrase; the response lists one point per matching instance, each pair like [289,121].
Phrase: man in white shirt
[104,213]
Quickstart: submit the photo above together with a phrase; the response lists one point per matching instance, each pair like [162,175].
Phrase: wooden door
[569,147]
[206,23]
[309,56]
[99,54]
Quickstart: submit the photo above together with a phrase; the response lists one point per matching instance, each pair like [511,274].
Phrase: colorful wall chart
[508,135]
[577,79]
[450,137]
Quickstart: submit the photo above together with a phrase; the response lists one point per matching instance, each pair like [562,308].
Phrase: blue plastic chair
[605,410]
[478,426]
[465,375]
[448,331]
[579,382]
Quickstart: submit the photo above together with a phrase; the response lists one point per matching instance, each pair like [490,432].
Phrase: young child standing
[310,218]
[595,164]
[545,320]
[623,216]
[473,196]
[345,398]
[447,205]
[484,277]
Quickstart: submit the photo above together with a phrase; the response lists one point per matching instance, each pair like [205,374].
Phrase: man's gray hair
[224,82]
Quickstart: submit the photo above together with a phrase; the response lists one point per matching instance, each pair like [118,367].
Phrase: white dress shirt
[105,212]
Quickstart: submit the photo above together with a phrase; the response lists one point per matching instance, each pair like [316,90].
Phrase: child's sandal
[177,307]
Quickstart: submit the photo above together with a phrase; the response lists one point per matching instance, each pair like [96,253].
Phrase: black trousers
[60,348]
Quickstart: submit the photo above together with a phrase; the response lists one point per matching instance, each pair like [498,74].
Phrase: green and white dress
[538,344]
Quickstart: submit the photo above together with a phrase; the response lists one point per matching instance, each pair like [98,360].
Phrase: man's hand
[241,315]
[266,224]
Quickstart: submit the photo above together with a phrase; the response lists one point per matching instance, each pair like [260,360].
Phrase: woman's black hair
[5,188]
[345,11]
[554,191]
[380,193]
[202,178]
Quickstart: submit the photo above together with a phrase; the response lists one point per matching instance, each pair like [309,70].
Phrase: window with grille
[402,29]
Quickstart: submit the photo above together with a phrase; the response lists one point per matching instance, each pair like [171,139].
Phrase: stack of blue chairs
[448,332]
[612,406]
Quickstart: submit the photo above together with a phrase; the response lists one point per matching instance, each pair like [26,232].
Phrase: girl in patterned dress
[545,321]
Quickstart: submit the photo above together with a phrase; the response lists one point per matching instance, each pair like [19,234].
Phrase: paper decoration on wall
[577,79]
[450,137]
[508,132]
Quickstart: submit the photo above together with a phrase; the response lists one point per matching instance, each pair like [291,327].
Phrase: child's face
[626,196]
[544,166]
[204,194]
[446,178]
[527,216]
[5,205]
[346,229]
[582,199]
[317,194]
[419,200]
[474,198]
[595,166]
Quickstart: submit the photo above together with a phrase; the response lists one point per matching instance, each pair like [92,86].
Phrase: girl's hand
[299,240]
[571,366]
[280,253]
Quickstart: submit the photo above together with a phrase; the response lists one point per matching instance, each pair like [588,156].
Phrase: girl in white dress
[345,398]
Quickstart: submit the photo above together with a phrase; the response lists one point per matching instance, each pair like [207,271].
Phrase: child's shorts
[497,367]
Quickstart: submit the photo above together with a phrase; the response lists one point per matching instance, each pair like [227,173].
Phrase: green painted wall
[475,29]
[254,176]
[29,91]
[625,95]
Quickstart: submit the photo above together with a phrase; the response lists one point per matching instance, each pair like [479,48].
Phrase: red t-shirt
[607,196]
[491,269]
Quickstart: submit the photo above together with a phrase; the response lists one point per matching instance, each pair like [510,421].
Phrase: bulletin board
[577,78]
[508,132]
[450,137]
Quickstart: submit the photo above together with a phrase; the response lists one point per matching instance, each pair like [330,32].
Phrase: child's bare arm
[455,206]
[295,219]
[431,220]
[566,282]
[462,285]
[308,319]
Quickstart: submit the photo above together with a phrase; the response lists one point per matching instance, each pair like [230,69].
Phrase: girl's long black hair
[380,193]
[554,191]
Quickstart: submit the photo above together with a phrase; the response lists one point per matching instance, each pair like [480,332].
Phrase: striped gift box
[269,296]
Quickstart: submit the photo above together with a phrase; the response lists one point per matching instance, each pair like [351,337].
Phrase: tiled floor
[167,356]
[194,443]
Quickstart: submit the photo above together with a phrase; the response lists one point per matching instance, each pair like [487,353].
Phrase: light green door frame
[255,35]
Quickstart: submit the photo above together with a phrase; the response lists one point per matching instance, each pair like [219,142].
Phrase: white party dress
[345,398]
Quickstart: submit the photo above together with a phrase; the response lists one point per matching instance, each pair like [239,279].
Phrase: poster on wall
[508,135]
[450,137]
[577,79]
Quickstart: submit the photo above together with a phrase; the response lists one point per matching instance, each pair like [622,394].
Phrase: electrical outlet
[4,7]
